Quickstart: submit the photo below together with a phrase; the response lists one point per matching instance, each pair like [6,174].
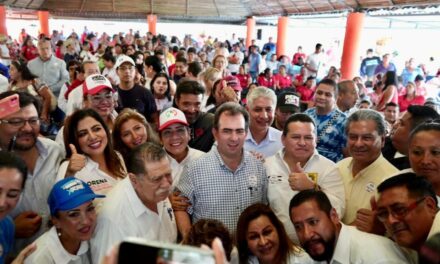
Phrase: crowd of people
[104,138]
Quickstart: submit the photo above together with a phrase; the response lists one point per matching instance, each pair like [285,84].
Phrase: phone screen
[157,253]
[9,105]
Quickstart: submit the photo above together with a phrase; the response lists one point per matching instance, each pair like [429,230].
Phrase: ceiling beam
[82,6]
[295,6]
[113,6]
[187,7]
[330,4]
[310,4]
[216,7]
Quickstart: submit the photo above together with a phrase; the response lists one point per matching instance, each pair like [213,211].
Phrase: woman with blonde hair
[208,78]
[130,130]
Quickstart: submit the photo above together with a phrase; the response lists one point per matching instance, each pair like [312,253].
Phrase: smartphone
[140,251]
[9,105]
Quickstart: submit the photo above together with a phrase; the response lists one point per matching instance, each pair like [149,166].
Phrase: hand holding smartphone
[9,105]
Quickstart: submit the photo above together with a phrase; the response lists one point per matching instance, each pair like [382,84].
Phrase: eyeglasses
[96,99]
[18,123]
[398,211]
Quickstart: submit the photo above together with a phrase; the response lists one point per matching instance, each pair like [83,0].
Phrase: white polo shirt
[279,192]
[354,246]
[124,215]
[177,167]
[51,251]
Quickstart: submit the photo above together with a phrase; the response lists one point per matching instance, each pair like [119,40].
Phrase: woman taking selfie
[73,217]
[261,238]
[130,130]
[89,152]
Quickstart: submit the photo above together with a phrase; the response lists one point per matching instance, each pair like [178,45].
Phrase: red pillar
[283,24]
[3,29]
[350,55]
[152,21]
[43,17]
[250,24]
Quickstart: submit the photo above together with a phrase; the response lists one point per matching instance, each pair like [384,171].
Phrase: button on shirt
[360,188]
[177,167]
[270,145]
[38,185]
[51,251]
[331,138]
[354,246]
[216,192]
[123,215]
[279,192]
[53,72]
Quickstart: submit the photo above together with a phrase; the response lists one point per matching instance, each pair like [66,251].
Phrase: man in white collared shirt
[138,206]
[262,138]
[325,238]
[19,133]
[289,169]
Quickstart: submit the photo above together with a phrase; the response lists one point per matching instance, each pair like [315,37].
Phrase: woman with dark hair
[89,152]
[204,231]
[28,51]
[24,81]
[73,216]
[266,79]
[130,130]
[410,97]
[389,91]
[160,88]
[261,238]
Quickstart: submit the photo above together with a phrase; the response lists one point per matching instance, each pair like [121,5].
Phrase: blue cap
[68,194]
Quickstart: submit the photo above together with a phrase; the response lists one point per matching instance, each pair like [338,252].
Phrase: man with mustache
[325,238]
[138,206]
[365,169]
[407,206]
[19,133]
[291,170]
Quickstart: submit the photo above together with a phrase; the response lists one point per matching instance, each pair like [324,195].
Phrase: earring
[58,232]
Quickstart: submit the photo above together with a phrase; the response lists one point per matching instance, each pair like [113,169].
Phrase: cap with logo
[231,81]
[96,83]
[171,116]
[288,102]
[123,59]
[68,194]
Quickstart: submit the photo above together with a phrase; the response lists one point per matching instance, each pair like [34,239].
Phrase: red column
[43,17]
[350,55]
[152,21]
[250,23]
[283,24]
[3,29]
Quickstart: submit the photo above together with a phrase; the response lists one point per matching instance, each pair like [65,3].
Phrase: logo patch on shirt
[370,187]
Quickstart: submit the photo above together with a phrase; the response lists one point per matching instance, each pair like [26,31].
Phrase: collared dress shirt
[38,185]
[359,188]
[356,247]
[217,192]
[124,215]
[279,192]
[52,72]
[51,251]
[270,145]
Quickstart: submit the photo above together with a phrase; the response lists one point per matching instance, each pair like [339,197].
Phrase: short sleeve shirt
[331,133]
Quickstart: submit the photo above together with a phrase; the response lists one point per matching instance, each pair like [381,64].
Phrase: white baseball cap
[122,59]
[171,116]
[96,83]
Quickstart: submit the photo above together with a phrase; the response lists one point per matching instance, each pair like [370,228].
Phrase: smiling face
[77,224]
[300,141]
[412,229]
[230,134]
[261,113]
[102,102]
[10,189]
[262,239]
[92,139]
[133,133]
[364,142]
[175,139]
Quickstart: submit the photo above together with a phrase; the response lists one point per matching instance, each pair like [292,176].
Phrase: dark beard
[328,249]
[21,147]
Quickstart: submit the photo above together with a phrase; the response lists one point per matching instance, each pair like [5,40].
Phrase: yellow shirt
[359,189]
